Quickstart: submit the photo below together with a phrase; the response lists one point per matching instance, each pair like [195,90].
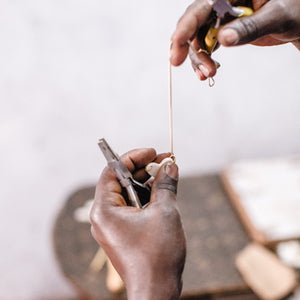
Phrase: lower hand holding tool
[124,176]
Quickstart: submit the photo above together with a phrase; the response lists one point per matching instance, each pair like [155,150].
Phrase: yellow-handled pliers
[223,7]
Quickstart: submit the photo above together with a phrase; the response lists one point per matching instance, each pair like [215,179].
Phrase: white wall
[74,71]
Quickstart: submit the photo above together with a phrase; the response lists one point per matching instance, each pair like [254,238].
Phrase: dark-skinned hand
[146,246]
[274,22]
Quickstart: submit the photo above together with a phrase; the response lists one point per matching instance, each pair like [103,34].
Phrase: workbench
[214,237]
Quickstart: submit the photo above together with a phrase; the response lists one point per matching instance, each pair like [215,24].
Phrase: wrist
[148,285]
[148,290]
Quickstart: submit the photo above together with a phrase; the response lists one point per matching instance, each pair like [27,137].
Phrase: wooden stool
[214,237]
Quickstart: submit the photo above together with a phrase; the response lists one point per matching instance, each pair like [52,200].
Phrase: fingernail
[230,36]
[204,70]
[198,73]
[172,170]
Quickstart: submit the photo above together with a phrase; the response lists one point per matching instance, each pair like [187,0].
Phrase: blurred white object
[153,168]
[82,213]
[269,191]
[289,253]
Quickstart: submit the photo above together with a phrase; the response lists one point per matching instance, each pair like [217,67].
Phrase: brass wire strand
[171,108]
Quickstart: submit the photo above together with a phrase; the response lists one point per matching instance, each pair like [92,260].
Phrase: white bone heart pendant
[153,168]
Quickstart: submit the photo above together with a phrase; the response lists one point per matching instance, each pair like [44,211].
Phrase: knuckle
[248,29]
[166,183]
[99,223]
[169,213]
[194,58]
[287,17]
[166,186]
[95,216]
[98,216]
[202,5]
[191,8]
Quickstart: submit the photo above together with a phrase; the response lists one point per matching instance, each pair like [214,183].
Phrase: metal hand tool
[223,7]
[125,177]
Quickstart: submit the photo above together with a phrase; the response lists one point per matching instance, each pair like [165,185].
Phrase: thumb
[271,18]
[164,187]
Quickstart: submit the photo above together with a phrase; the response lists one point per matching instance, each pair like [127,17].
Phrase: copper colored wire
[171,110]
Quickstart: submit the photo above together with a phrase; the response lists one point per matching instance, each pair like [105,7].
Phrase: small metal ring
[202,51]
[172,156]
[211,81]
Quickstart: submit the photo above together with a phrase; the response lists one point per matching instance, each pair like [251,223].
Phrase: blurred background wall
[75,71]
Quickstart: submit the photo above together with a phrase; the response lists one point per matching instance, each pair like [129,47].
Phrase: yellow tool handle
[211,39]
[211,36]
[247,11]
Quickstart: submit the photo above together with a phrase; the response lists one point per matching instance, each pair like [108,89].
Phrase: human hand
[274,22]
[146,246]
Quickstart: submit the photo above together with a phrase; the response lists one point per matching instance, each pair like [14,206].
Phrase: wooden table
[214,237]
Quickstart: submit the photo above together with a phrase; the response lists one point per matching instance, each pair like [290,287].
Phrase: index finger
[108,189]
[194,17]
[138,158]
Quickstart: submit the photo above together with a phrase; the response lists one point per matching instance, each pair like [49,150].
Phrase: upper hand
[146,246]
[274,22]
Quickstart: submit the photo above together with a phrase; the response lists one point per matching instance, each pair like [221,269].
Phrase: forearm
[154,281]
